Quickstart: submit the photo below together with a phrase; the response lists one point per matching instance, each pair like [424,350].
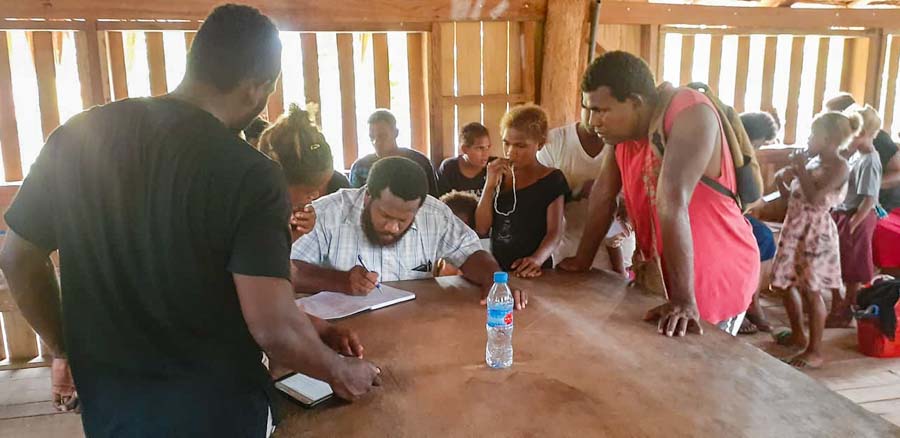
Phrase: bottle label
[500,316]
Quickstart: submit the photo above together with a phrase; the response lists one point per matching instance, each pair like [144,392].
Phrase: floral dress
[809,250]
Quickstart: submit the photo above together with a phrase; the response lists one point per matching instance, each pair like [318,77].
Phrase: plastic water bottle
[499,351]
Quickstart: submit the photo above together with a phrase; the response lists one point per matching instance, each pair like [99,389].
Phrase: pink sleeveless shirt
[726,256]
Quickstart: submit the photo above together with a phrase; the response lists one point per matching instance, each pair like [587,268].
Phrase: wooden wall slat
[468,70]
[515,56]
[20,338]
[275,106]
[348,97]
[650,46]
[45,69]
[715,62]
[310,49]
[418,99]
[442,80]
[687,59]
[2,344]
[189,39]
[90,68]
[530,62]
[118,75]
[381,63]
[9,132]
[768,77]
[495,79]
[743,67]
[793,100]
[156,60]
[821,75]
[891,96]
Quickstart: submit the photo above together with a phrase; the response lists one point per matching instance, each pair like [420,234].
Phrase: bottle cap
[501,277]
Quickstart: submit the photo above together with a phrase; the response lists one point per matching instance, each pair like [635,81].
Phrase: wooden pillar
[9,132]
[310,49]
[90,68]
[348,97]
[381,62]
[117,70]
[45,68]
[156,61]
[416,54]
[715,62]
[564,29]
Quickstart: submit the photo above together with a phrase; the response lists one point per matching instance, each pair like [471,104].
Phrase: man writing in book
[392,227]
[173,249]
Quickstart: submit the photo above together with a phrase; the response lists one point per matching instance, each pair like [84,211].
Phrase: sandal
[782,337]
[748,328]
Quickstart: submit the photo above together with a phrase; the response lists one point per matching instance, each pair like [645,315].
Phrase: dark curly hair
[624,74]
[471,132]
[759,126]
[295,142]
[402,176]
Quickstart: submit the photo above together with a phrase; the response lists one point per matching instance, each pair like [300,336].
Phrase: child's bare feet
[807,360]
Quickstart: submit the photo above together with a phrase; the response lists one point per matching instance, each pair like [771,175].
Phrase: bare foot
[761,323]
[840,319]
[791,339]
[807,360]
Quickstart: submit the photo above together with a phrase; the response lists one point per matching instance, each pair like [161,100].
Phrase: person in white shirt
[578,152]
[392,227]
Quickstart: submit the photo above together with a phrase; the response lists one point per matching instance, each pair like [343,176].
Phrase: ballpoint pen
[359,258]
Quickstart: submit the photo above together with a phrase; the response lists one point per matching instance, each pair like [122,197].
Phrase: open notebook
[306,390]
[334,305]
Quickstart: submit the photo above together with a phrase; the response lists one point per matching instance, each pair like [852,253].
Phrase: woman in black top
[467,172]
[522,206]
[296,143]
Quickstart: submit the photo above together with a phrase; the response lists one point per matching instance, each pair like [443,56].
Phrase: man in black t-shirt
[174,249]
[383,134]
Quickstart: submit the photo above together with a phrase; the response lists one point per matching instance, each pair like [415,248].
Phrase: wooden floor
[25,409]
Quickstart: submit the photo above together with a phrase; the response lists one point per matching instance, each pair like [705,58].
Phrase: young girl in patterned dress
[808,259]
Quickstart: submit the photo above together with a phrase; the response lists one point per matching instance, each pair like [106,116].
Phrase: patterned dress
[809,250]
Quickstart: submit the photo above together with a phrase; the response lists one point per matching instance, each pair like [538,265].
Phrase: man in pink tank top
[703,246]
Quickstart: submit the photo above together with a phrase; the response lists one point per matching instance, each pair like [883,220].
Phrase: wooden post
[310,49]
[189,40]
[715,62]
[90,68]
[890,98]
[495,79]
[530,41]
[348,97]
[874,65]
[45,68]
[9,132]
[381,62]
[156,60]
[275,106]
[516,57]
[793,100]
[565,27]
[768,78]
[650,46]
[821,75]
[118,73]
[743,67]
[687,59]
[440,84]
[468,71]
[416,54]
[21,340]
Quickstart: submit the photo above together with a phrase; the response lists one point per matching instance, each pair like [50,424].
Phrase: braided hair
[295,142]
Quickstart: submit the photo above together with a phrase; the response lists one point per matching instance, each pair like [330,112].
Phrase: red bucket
[872,342]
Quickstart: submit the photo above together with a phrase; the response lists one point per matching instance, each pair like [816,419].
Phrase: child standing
[522,202]
[856,218]
[808,258]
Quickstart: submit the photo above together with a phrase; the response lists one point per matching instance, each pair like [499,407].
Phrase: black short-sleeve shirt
[359,172]
[153,204]
[519,234]
[450,177]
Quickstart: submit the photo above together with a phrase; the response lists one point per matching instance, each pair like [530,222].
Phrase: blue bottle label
[500,316]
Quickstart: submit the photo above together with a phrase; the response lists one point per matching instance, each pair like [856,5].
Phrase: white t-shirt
[564,152]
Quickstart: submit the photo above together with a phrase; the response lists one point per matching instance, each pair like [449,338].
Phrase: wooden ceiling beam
[777,3]
[622,12]
[296,12]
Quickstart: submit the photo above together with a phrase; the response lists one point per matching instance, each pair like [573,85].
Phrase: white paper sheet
[334,305]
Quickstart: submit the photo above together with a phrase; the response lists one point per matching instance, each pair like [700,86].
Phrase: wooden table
[585,365]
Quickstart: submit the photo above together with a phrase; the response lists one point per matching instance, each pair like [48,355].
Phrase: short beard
[369,229]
